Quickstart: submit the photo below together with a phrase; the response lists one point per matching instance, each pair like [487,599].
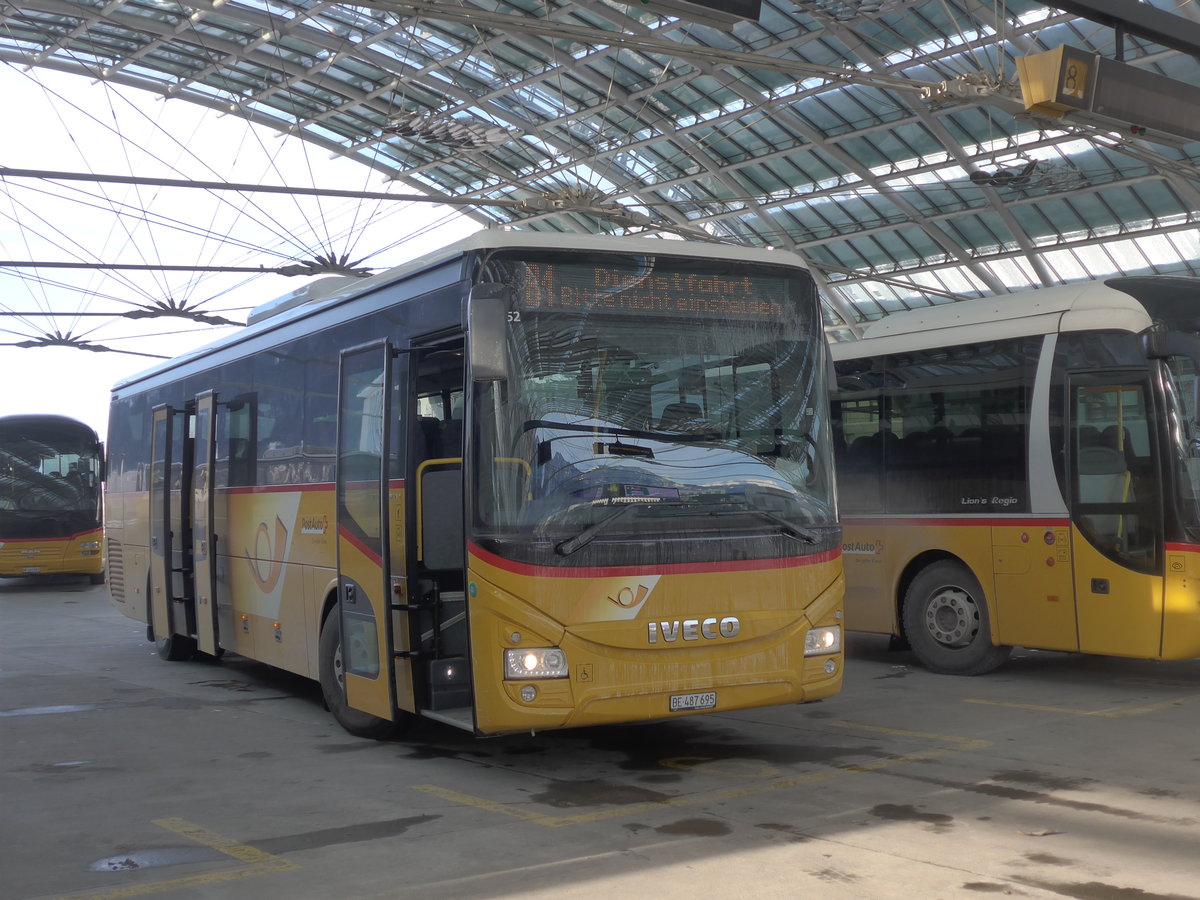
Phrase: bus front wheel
[333,686]
[946,622]
[176,648]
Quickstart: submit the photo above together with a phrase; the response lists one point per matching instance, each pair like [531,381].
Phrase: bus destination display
[599,288]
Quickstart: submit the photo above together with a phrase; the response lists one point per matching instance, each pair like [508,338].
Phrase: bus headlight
[826,639]
[90,545]
[534,662]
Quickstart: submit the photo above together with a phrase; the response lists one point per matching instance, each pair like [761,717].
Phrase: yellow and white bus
[528,482]
[1023,470]
[50,478]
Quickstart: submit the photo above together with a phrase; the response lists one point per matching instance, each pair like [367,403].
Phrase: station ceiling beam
[1140,19]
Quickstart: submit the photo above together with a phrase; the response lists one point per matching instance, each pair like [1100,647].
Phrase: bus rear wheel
[333,686]
[946,622]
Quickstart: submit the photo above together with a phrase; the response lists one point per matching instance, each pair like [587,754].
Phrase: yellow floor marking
[1113,713]
[968,743]
[260,863]
[958,745]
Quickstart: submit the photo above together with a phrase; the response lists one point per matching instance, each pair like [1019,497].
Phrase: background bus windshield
[48,479]
[666,398]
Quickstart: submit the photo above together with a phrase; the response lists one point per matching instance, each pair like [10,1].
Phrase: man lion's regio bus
[50,473]
[528,482]
[1023,470]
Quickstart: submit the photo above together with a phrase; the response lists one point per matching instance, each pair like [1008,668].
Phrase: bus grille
[116,571]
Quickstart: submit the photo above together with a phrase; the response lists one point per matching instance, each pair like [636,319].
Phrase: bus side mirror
[1154,342]
[487,332]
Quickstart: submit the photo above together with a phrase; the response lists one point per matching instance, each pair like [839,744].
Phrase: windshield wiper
[791,530]
[708,509]
[585,537]
[570,545]
[677,437]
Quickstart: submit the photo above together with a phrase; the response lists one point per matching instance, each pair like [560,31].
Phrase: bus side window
[240,443]
[858,450]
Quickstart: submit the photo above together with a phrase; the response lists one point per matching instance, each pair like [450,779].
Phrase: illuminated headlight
[827,639]
[90,545]
[536,662]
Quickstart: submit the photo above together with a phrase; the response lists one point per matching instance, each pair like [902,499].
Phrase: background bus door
[363,547]
[172,612]
[204,544]
[1117,514]
[437,545]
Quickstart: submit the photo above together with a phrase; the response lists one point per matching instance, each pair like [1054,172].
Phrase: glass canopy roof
[885,141]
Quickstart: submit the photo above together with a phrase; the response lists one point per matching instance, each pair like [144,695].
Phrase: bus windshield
[656,398]
[1182,386]
[49,478]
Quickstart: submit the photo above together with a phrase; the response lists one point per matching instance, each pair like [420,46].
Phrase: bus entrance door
[363,547]
[439,613]
[172,615]
[1117,515]
[203,538]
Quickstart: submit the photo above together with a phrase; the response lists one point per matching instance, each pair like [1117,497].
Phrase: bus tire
[176,648]
[333,685]
[946,622]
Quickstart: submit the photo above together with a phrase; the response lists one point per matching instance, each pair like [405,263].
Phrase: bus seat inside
[441,518]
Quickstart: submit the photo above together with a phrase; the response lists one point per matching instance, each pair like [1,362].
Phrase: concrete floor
[125,776]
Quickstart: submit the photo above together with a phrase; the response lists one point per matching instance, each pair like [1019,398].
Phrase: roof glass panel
[795,130]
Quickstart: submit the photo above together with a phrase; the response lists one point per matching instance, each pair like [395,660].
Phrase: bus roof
[46,425]
[331,291]
[1071,307]
[344,287]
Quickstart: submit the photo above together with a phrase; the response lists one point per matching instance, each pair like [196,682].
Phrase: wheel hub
[952,617]
[339,670]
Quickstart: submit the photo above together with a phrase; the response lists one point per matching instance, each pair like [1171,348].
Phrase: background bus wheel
[946,622]
[175,648]
[333,686]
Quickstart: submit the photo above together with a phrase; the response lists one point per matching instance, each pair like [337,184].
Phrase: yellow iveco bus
[528,482]
[50,476]
[1025,470]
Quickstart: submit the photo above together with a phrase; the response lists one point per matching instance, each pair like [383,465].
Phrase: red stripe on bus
[1182,548]
[788,562]
[358,545]
[965,521]
[55,537]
